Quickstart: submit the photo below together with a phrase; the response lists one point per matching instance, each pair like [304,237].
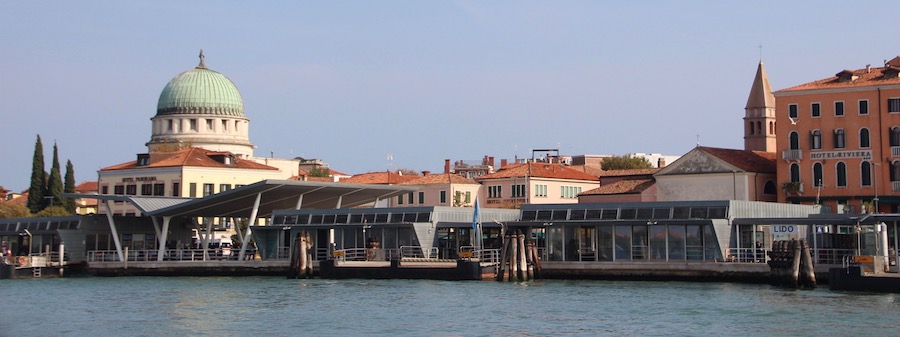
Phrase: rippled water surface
[273,306]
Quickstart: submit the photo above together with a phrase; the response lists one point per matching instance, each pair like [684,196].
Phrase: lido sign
[784,229]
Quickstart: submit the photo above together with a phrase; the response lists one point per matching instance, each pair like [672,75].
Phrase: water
[275,306]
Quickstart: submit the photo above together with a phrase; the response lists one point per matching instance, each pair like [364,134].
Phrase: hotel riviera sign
[864,154]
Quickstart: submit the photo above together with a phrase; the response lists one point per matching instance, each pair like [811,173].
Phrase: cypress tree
[69,186]
[36,189]
[54,184]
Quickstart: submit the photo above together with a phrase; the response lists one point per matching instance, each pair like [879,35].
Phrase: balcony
[895,151]
[895,186]
[792,154]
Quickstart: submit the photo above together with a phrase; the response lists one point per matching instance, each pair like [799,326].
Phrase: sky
[376,85]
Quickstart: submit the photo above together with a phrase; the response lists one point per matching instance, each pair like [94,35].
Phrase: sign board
[864,154]
[785,232]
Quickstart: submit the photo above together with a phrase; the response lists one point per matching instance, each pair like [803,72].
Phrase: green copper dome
[200,91]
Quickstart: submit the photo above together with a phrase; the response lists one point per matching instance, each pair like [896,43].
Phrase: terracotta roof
[382,178]
[22,199]
[316,179]
[629,172]
[443,178]
[539,170]
[589,169]
[749,161]
[875,76]
[87,187]
[192,156]
[626,186]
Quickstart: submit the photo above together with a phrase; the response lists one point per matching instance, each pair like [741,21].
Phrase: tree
[319,171]
[36,189]
[11,210]
[625,162]
[54,184]
[55,210]
[69,186]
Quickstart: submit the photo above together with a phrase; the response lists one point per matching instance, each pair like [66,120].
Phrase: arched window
[795,173]
[771,128]
[769,188]
[759,128]
[751,128]
[817,174]
[841,174]
[815,140]
[839,142]
[795,140]
[864,138]
[895,136]
[865,173]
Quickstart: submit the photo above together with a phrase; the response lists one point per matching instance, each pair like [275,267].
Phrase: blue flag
[475,232]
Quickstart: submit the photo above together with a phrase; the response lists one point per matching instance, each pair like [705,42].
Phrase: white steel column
[155,225]
[299,201]
[163,237]
[115,233]
[249,223]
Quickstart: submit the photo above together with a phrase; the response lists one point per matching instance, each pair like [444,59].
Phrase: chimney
[426,173]
[484,161]
[502,162]
[446,165]
[868,68]
[491,161]
[661,162]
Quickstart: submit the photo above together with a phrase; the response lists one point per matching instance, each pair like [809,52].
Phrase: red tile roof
[87,187]
[589,169]
[629,172]
[192,156]
[873,77]
[382,178]
[626,186]
[443,178]
[539,170]
[749,161]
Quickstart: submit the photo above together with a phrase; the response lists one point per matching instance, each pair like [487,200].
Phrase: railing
[895,186]
[830,255]
[746,255]
[895,151]
[151,255]
[418,252]
[483,255]
[792,154]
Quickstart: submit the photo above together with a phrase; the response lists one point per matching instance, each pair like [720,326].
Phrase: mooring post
[795,267]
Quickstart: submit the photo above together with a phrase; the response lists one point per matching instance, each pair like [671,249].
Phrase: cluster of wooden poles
[519,260]
[791,264]
[301,259]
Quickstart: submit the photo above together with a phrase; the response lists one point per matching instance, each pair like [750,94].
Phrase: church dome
[200,91]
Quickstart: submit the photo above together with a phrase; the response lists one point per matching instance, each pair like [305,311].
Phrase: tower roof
[200,91]
[760,93]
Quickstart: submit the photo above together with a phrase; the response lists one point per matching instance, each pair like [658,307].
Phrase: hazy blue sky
[350,82]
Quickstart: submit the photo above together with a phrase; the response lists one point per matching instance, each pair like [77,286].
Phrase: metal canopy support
[155,225]
[237,228]
[115,233]
[299,201]
[249,223]
[163,237]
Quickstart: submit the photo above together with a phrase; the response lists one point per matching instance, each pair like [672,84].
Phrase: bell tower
[759,114]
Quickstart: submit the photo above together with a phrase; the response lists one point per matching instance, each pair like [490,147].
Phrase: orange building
[839,140]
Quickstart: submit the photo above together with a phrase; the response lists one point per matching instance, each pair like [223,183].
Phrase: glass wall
[608,242]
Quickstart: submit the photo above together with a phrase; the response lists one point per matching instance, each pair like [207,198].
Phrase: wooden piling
[523,263]
[808,273]
[502,276]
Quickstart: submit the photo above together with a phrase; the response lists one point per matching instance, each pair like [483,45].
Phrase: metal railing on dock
[169,255]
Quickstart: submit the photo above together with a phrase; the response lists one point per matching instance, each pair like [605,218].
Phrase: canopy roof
[274,195]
